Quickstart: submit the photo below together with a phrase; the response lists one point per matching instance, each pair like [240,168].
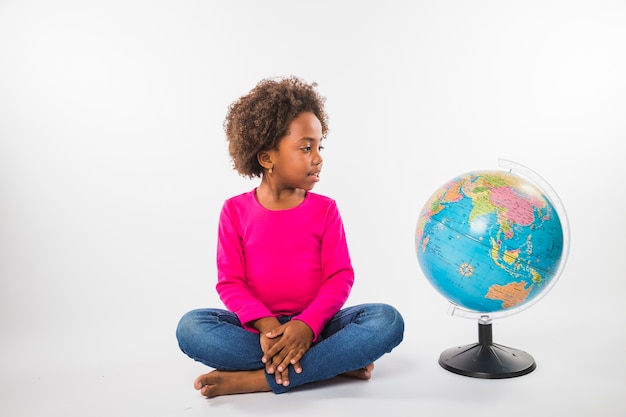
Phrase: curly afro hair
[257,121]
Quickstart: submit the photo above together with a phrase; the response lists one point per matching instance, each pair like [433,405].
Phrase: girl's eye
[310,149]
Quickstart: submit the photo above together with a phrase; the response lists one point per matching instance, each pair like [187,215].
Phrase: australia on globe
[489,241]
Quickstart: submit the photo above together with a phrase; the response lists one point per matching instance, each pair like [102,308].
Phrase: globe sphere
[490,242]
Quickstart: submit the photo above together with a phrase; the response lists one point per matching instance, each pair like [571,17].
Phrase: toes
[207,391]
[201,381]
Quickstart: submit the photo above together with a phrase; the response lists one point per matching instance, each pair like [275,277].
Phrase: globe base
[486,359]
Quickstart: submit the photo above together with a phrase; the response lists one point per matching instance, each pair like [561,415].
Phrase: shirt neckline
[258,203]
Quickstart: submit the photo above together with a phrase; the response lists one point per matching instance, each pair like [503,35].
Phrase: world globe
[492,242]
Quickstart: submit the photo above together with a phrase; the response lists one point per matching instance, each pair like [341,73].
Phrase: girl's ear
[265,159]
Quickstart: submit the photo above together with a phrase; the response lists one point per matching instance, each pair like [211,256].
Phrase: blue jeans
[354,337]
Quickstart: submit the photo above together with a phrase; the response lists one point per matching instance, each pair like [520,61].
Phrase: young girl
[284,270]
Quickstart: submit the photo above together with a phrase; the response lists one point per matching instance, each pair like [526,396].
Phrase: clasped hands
[283,345]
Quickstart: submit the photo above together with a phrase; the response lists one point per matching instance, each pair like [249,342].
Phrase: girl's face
[297,161]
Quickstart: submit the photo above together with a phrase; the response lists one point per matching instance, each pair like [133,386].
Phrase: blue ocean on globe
[489,241]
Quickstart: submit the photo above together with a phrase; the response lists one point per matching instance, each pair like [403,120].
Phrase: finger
[276,355]
[296,357]
[292,359]
[282,378]
[275,332]
[270,350]
[273,363]
[297,367]
[273,351]
[278,362]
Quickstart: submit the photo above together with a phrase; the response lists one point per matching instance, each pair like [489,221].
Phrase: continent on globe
[510,294]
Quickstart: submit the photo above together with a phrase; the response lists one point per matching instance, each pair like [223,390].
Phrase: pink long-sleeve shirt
[291,262]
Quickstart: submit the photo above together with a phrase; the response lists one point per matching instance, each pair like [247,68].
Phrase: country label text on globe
[489,241]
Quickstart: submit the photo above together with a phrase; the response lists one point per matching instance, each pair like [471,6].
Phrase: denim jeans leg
[216,338]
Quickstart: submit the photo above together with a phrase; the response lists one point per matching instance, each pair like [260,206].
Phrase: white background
[113,168]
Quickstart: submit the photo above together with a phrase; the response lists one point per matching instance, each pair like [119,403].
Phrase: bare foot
[224,383]
[363,373]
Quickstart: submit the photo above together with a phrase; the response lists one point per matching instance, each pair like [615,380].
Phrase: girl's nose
[317,158]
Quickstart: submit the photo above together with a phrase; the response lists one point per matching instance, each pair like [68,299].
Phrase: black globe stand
[486,359]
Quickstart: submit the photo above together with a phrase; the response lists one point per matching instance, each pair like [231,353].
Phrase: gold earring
[271,170]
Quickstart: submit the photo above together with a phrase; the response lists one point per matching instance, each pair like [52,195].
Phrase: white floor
[580,372]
